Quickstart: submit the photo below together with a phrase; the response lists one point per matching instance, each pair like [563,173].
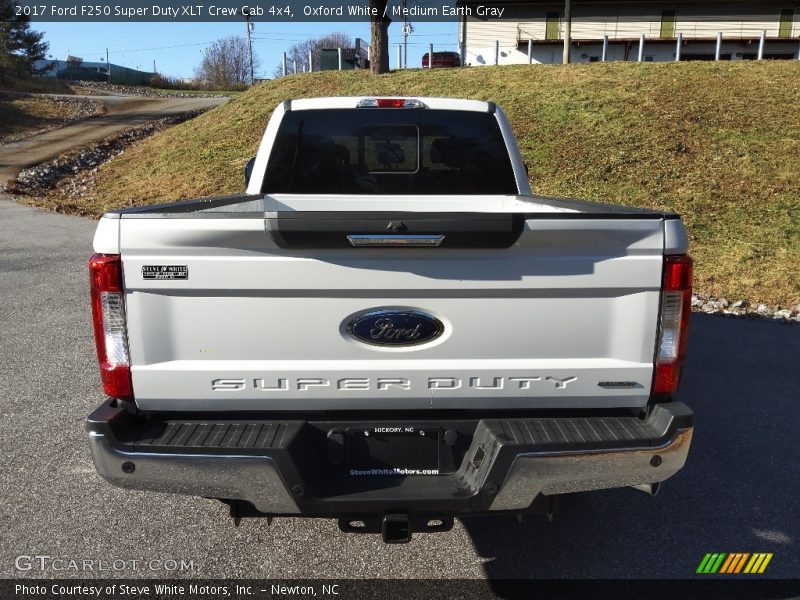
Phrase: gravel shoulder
[736,492]
[101,88]
[121,112]
[61,183]
[25,115]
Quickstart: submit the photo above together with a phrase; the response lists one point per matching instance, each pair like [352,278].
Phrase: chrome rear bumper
[562,473]
[506,465]
[251,478]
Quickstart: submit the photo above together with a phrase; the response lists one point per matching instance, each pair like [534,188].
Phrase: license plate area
[393,450]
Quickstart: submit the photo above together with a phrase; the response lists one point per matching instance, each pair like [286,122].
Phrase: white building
[537,27]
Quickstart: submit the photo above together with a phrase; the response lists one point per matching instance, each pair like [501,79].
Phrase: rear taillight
[676,303]
[108,315]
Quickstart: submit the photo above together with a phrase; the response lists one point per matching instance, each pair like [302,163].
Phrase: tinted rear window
[389,151]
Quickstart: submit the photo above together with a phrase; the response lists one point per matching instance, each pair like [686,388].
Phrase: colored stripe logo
[733,563]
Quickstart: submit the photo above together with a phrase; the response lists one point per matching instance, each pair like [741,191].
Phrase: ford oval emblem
[395,327]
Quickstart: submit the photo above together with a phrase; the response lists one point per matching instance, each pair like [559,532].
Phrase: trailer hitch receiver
[396,529]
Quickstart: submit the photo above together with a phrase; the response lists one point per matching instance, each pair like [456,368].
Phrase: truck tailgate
[565,317]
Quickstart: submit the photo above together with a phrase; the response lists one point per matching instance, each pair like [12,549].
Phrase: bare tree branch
[226,64]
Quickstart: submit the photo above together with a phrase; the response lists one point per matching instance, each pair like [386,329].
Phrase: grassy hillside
[22,116]
[718,143]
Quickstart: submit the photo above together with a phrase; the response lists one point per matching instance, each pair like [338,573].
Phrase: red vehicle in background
[442,59]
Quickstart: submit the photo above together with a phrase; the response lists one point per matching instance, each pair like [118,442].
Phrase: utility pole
[407,30]
[567,30]
[463,48]
[250,26]
[108,67]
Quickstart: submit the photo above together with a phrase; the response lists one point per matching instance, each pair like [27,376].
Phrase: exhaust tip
[651,489]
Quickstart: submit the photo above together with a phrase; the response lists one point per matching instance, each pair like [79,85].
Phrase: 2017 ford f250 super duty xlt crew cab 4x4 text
[389,328]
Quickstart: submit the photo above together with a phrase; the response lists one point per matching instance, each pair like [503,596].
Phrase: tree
[20,46]
[226,64]
[379,39]
[298,54]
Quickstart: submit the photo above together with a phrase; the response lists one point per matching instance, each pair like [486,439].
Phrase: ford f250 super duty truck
[389,328]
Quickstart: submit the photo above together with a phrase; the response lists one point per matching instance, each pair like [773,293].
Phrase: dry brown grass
[21,116]
[34,85]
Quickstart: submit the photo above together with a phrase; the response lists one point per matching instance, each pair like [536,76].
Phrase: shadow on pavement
[738,492]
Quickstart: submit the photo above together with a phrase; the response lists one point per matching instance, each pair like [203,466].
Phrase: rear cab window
[389,151]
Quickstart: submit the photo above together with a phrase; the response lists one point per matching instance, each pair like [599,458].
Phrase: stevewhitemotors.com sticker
[165,272]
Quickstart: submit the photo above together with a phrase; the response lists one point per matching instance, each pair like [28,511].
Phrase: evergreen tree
[20,46]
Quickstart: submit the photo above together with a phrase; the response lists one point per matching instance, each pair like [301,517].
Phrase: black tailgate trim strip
[305,230]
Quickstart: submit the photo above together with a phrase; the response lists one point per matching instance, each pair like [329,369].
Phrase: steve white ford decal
[165,272]
[395,327]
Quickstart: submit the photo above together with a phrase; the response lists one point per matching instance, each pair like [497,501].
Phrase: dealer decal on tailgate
[165,272]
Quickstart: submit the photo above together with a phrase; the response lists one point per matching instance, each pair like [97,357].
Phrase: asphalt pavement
[738,492]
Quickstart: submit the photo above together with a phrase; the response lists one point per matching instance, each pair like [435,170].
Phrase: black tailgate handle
[382,240]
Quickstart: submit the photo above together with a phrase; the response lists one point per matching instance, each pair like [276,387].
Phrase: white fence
[653,49]
[642,49]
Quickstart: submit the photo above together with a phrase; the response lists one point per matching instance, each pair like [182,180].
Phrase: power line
[165,47]
[315,35]
[112,51]
[433,34]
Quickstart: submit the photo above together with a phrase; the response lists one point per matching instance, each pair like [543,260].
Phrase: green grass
[718,143]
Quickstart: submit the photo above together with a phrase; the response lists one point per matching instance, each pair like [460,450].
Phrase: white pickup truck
[389,328]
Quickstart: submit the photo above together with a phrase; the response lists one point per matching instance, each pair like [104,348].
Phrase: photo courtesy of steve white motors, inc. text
[140,590]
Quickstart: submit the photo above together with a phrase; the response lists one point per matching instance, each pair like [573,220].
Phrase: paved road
[738,492]
[122,112]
